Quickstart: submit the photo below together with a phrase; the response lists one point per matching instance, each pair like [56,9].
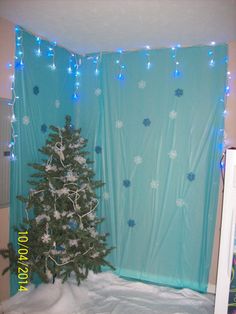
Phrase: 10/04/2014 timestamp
[23,267]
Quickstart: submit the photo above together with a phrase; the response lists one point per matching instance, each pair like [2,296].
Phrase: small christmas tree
[62,235]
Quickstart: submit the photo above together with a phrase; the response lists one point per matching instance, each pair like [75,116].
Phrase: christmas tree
[62,235]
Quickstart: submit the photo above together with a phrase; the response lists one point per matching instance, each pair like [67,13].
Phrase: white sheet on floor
[106,293]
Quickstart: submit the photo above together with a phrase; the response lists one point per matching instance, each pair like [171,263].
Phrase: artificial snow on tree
[62,235]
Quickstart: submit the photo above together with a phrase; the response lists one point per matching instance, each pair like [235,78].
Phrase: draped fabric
[157,144]
[45,97]
[155,135]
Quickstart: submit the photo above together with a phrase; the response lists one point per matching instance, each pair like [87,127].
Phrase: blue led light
[76,96]
[69,70]
[227,90]
[96,72]
[120,77]
[148,65]
[222,165]
[177,73]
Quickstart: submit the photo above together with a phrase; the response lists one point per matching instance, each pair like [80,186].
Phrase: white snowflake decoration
[81,160]
[98,92]
[106,196]
[172,154]
[46,238]
[119,124]
[180,202]
[57,103]
[62,191]
[173,115]
[95,255]
[91,216]
[154,184]
[138,160]
[25,120]
[57,214]
[73,243]
[50,168]
[65,259]
[71,177]
[41,217]
[141,84]
[93,232]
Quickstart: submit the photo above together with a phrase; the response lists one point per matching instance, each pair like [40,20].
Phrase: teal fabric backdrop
[156,141]
[155,133]
[45,97]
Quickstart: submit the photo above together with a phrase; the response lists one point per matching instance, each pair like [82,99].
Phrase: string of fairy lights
[74,69]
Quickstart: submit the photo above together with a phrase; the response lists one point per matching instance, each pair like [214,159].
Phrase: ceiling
[85,26]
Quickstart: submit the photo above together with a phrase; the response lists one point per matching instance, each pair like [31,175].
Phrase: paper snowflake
[138,160]
[126,183]
[25,120]
[57,103]
[43,128]
[131,223]
[180,202]
[106,195]
[154,184]
[172,154]
[191,176]
[98,92]
[119,124]
[179,92]
[36,90]
[146,122]
[173,115]
[98,149]
[141,84]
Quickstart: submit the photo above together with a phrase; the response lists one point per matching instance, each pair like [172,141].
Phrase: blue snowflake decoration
[191,176]
[72,224]
[44,128]
[36,90]
[98,149]
[146,122]
[126,183]
[179,92]
[131,223]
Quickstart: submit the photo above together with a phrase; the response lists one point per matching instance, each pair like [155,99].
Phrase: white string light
[51,53]
[148,65]
[177,72]
[19,54]
[38,51]
[121,66]
[77,64]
